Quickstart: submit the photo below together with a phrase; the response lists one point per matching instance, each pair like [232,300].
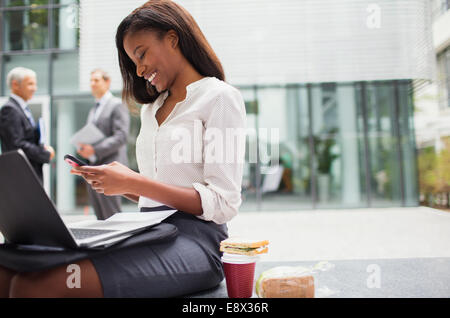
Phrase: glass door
[383,140]
[338,164]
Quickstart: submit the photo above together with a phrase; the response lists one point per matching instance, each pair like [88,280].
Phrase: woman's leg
[80,280]
[6,276]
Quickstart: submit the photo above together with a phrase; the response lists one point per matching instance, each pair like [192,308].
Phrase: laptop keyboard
[87,233]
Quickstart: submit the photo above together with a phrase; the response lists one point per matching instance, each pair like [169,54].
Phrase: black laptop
[30,219]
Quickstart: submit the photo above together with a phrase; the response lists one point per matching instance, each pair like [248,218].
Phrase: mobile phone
[74,162]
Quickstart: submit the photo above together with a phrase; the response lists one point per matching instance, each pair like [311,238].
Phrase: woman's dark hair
[162,16]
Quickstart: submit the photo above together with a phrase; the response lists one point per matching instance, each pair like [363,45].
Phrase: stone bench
[372,278]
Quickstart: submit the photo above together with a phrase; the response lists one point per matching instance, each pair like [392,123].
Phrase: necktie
[94,118]
[30,116]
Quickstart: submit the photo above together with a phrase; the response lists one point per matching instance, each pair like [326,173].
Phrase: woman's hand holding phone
[111,179]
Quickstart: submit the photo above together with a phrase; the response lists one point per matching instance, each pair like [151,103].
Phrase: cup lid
[239,259]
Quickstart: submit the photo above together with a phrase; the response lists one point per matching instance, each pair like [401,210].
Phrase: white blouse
[200,145]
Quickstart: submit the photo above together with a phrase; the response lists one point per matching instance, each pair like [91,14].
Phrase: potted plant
[325,157]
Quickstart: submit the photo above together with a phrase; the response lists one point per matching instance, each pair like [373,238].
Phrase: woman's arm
[117,179]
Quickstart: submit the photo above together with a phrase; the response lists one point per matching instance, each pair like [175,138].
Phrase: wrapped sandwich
[286,282]
[244,246]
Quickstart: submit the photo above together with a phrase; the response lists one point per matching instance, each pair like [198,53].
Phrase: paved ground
[395,252]
[349,234]
[308,235]
[408,248]
[374,278]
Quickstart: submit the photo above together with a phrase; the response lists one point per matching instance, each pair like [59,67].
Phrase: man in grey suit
[113,119]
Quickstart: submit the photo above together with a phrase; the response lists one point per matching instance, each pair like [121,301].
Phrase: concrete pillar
[65,181]
[350,168]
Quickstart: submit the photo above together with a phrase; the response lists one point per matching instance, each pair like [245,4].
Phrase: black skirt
[188,264]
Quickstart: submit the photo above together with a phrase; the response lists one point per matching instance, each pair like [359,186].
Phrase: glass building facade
[319,145]
[341,145]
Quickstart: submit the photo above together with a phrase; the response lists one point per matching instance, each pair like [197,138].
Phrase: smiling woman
[165,20]
[167,65]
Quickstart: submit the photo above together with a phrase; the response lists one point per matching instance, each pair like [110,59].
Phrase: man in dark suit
[18,129]
[113,119]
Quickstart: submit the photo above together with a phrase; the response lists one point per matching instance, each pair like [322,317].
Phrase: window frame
[51,6]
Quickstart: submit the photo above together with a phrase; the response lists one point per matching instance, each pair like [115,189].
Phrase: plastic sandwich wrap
[293,282]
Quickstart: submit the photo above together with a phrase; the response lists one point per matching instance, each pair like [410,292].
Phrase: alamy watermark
[74,279]
[225,146]
[373,20]
[70,14]
[374,279]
